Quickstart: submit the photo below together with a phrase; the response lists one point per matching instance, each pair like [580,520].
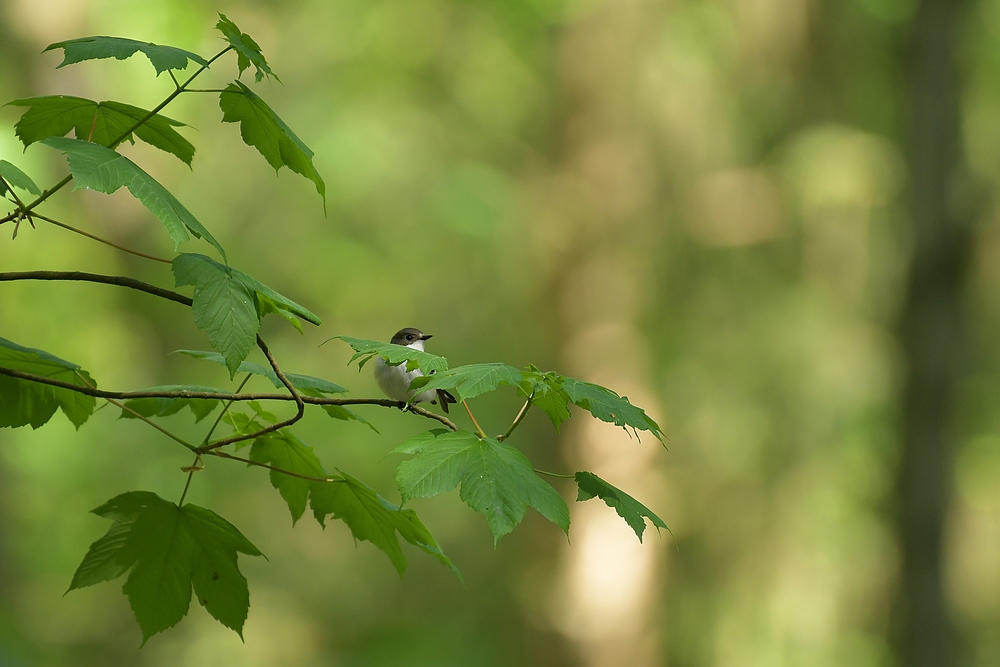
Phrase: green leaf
[90,48]
[104,170]
[247,51]
[17,178]
[374,519]
[261,128]
[101,123]
[547,394]
[168,549]
[283,450]
[393,355]
[496,479]
[163,407]
[303,382]
[608,406]
[223,306]
[345,414]
[23,402]
[227,300]
[471,380]
[628,508]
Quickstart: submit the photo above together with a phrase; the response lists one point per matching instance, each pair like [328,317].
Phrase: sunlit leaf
[261,128]
[466,382]
[17,178]
[23,402]
[104,170]
[495,478]
[167,550]
[90,48]
[247,51]
[628,508]
[608,406]
[547,394]
[365,350]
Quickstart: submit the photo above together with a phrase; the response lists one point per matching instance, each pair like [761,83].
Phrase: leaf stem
[517,419]
[225,410]
[187,483]
[99,239]
[124,407]
[554,474]
[479,429]
[227,455]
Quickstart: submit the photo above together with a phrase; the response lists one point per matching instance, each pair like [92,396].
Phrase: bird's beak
[426,336]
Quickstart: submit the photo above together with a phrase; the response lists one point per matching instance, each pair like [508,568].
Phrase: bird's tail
[445,398]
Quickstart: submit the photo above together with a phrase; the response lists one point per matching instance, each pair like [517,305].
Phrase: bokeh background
[702,204]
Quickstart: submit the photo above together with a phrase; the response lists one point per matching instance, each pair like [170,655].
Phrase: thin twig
[99,239]
[517,420]
[299,404]
[479,429]
[225,455]
[137,415]
[554,474]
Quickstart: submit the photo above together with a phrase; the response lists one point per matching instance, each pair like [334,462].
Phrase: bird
[394,381]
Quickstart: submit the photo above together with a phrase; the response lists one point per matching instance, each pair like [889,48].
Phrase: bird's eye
[409,336]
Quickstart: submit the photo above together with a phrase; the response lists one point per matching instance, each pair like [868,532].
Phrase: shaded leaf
[163,407]
[23,402]
[471,380]
[223,306]
[365,350]
[283,450]
[547,394]
[17,178]
[166,550]
[628,508]
[261,128]
[495,478]
[90,48]
[303,382]
[247,51]
[374,519]
[104,170]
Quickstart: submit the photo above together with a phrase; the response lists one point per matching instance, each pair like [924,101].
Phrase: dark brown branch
[121,281]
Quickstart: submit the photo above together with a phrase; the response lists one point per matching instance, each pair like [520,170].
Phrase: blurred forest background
[707,205]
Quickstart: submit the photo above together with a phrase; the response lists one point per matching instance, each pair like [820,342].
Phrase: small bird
[394,381]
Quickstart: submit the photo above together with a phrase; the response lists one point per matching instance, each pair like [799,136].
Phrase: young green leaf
[99,122]
[283,450]
[373,518]
[366,350]
[163,407]
[90,48]
[261,128]
[608,406]
[23,402]
[104,170]
[167,550]
[496,479]
[469,381]
[303,382]
[247,51]
[547,394]
[628,508]
[17,178]
[223,306]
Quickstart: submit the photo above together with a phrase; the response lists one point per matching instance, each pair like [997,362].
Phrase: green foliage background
[697,203]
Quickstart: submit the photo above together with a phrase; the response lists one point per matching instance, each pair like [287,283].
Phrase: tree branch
[121,281]
[226,455]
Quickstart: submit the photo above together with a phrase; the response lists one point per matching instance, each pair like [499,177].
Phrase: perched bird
[394,381]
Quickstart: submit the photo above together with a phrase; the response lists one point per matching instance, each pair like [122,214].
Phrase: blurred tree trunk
[931,330]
